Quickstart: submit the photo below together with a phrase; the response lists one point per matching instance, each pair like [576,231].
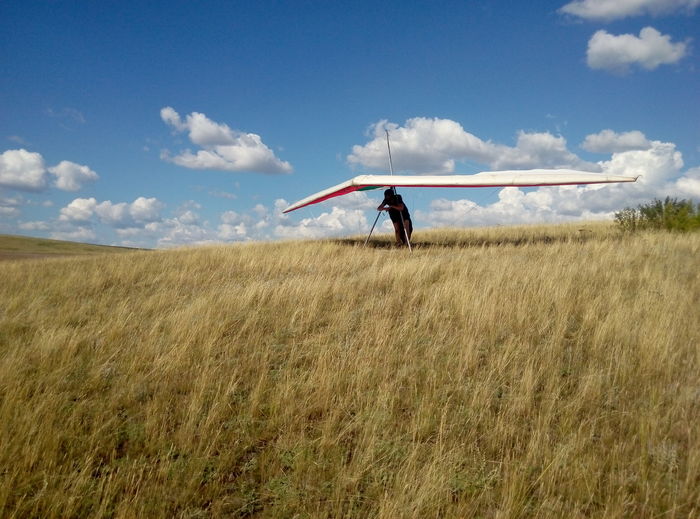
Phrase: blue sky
[168,123]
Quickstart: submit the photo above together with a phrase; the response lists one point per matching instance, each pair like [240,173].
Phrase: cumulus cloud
[355,200]
[660,169]
[618,53]
[538,150]
[336,222]
[79,210]
[23,170]
[422,145]
[35,226]
[71,176]
[223,148]
[236,226]
[608,141]
[175,231]
[189,218]
[145,209]
[657,165]
[188,228]
[689,184]
[608,10]
[425,145]
[123,214]
[9,206]
[8,211]
[233,232]
[137,224]
[334,219]
[78,220]
[513,206]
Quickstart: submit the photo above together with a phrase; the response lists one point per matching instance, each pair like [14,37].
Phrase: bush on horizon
[670,214]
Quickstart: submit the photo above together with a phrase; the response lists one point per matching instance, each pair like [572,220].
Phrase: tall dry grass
[545,372]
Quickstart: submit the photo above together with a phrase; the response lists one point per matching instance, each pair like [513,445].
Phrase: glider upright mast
[393,188]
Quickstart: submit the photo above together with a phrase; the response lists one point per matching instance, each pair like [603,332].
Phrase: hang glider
[520,178]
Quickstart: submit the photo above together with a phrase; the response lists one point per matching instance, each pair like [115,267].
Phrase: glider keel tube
[520,178]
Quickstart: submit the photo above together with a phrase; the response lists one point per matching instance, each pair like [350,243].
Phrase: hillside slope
[24,247]
[497,373]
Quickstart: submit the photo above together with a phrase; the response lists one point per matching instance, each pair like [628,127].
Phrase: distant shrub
[670,214]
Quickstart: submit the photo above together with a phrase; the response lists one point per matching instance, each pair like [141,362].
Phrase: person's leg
[398,232]
[409,228]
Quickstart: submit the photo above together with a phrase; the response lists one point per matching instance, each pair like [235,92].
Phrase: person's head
[388,195]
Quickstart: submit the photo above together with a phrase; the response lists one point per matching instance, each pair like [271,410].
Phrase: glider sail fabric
[521,178]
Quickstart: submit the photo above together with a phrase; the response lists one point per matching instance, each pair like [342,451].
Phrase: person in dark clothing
[393,204]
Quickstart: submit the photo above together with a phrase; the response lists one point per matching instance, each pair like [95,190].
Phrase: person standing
[400,217]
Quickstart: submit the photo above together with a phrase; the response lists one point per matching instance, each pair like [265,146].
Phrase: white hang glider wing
[522,178]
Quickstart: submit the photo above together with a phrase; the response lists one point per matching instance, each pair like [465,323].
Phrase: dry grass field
[495,373]
[14,247]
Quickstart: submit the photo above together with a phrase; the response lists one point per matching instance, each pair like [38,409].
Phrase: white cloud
[607,10]
[122,214]
[660,162]
[513,206]
[617,53]
[71,176]
[140,211]
[229,232]
[9,206]
[689,184]
[608,141]
[426,145]
[538,150]
[354,200]
[260,211]
[171,117]
[189,218]
[237,226]
[139,223]
[660,167]
[337,222]
[23,170]
[231,217]
[35,226]
[222,147]
[264,223]
[79,210]
[187,228]
[422,145]
[8,211]
[145,209]
[175,231]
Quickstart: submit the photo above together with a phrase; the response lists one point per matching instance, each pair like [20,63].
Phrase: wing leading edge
[521,178]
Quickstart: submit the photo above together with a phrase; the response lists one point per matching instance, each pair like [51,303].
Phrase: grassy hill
[516,372]
[23,247]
